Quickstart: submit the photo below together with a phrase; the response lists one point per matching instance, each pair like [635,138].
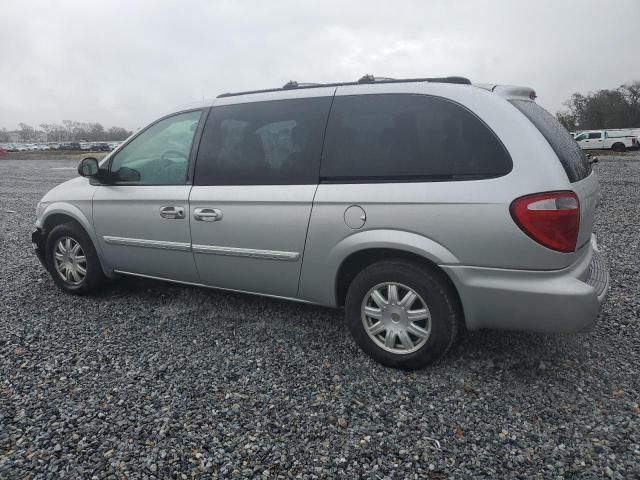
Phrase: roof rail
[367,79]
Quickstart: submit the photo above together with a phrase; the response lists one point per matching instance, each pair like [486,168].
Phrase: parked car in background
[70,146]
[603,140]
[420,206]
[100,147]
[625,132]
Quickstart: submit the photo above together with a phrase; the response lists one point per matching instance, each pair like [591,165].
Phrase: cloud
[126,62]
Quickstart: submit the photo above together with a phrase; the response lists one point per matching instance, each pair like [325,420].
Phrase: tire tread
[95,276]
[438,287]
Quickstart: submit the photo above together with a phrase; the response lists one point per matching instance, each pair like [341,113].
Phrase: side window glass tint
[278,141]
[404,136]
[263,143]
[160,154]
[596,135]
[571,156]
[232,134]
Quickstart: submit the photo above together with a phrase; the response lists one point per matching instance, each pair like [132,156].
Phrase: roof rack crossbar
[293,84]
[365,80]
[368,78]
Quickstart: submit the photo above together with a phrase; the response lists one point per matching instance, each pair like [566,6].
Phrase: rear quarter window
[407,137]
[571,156]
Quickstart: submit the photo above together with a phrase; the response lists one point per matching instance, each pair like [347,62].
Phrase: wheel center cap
[395,318]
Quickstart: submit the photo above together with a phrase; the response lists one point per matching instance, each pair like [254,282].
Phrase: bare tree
[96,132]
[118,133]
[48,129]
[619,108]
[27,132]
[70,130]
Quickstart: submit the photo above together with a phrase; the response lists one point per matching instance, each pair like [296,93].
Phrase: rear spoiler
[510,92]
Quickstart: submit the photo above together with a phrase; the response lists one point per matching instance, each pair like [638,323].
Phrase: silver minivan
[421,206]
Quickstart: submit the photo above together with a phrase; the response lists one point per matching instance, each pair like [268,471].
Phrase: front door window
[160,154]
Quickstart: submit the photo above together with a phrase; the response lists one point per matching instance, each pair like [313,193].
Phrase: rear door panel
[254,183]
[258,243]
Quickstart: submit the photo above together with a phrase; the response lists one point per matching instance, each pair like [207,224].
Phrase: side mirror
[88,167]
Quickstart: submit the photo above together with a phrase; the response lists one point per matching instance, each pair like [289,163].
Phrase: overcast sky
[127,62]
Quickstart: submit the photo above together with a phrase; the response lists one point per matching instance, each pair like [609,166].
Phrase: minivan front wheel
[72,260]
[402,315]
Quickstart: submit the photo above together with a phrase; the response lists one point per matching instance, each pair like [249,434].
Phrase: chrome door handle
[172,212]
[207,214]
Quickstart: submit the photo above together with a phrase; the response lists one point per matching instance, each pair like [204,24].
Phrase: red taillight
[551,219]
[633,140]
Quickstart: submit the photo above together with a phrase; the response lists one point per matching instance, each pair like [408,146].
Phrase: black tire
[618,147]
[438,294]
[94,277]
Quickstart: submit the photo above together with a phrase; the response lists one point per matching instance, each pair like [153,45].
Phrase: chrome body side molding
[246,252]
[140,242]
[207,249]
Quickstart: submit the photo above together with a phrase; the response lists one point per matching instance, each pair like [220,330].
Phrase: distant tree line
[68,131]
[618,108]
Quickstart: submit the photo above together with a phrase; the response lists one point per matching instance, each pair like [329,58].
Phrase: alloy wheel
[396,318]
[70,261]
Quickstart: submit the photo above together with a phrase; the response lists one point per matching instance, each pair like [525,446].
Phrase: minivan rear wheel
[402,315]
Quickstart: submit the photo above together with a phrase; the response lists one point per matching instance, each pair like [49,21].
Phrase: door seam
[193,256]
[313,200]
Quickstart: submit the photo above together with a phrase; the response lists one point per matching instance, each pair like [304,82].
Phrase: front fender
[76,213]
[81,213]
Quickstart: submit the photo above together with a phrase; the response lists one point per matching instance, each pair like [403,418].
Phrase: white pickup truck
[604,140]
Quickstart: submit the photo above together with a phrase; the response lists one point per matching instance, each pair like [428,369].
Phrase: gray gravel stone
[151,380]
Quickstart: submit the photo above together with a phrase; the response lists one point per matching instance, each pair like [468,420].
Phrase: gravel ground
[151,380]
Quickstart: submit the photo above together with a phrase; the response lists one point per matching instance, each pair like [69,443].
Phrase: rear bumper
[567,300]
[37,241]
